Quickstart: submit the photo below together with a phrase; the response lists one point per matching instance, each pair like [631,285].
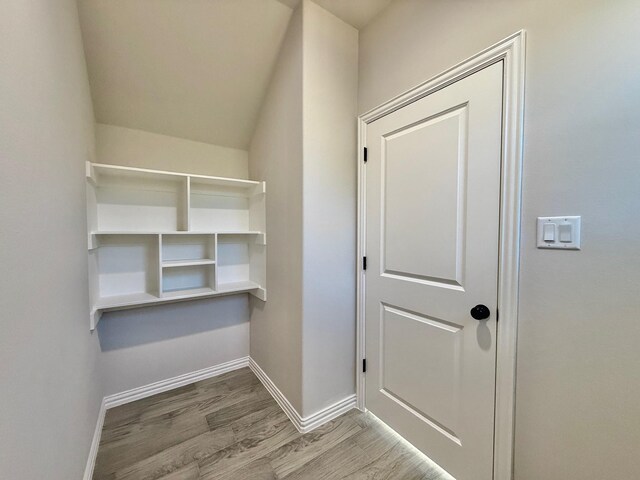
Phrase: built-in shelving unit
[158,237]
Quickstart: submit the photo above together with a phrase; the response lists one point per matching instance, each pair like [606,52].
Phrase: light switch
[564,232]
[549,232]
[559,232]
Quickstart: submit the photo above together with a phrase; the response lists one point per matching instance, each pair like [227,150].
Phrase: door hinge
[365,155]
[364,365]
[497,314]
[364,263]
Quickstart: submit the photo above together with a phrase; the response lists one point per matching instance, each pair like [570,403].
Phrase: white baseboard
[138,393]
[303,424]
[95,443]
[328,413]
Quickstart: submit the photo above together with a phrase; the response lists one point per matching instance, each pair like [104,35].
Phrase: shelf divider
[160,265]
[187,263]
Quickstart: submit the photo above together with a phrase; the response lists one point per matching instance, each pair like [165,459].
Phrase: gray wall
[49,381]
[330,84]
[578,414]
[135,148]
[146,345]
[150,344]
[275,155]
[304,147]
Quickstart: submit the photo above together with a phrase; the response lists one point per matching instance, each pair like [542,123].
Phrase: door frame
[511,51]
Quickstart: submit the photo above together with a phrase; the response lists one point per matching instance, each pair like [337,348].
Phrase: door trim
[511,51]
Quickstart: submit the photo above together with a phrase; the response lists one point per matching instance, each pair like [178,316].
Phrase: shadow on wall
[130,328]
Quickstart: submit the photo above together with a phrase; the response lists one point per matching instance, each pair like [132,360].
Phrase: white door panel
[432,225]
[408,184]
[410,339]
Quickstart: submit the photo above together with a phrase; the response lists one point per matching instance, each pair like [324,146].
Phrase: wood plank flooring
[229,427]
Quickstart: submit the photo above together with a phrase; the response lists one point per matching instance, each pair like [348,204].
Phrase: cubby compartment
[188,280]
[215,207]
[234,259]
[130,200]
[187,249]
[127,269]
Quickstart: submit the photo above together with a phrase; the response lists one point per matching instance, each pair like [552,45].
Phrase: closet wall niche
[157,237]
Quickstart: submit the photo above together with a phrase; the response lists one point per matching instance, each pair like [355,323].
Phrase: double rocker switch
[564,233]
[559,232]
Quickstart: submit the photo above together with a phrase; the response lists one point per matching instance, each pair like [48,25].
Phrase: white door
[432,228]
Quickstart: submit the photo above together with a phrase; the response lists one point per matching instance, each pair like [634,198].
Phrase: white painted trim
[328,413]
[138,393]
[360,277]
[275,392]
[512,52]
[303,424]
[509,268]
[95,443]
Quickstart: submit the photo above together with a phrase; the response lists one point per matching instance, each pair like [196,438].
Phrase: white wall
[578,414]
[49,380]
[146,345]
[135,148]
[330,84]
[275,155]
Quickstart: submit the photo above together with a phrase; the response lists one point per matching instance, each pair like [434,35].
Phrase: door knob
[480,312]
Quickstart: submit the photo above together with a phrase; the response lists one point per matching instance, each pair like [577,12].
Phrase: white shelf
[175,232]
[97,170]
[144,299]
[237,287]
[188,293]
[187,263]
[158,237]
[224,182]
[126,300]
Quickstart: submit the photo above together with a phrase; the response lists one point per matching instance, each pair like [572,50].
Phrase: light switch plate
[573,223]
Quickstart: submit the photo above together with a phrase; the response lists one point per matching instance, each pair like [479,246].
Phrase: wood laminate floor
[229,427]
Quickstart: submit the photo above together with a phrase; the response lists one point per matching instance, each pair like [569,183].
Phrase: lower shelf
[237,286]
[126,300]
[135,300]
[188,293]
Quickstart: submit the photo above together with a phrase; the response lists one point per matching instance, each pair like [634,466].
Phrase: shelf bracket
[92,241]
[94,318]
[260,293]
[260,189]
[91,174]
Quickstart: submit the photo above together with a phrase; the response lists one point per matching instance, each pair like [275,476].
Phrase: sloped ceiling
[195,69]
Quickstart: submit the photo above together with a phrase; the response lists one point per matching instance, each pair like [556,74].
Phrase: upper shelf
[260,237]
[130,200]
[97,170]
[175,232]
